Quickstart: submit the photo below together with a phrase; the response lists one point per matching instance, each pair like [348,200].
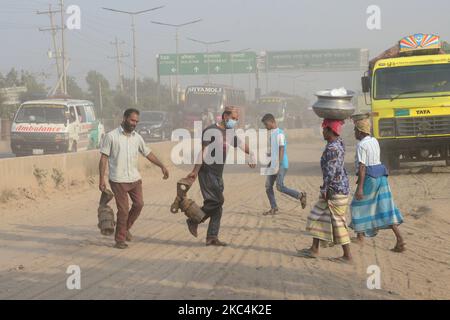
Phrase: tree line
[113,99]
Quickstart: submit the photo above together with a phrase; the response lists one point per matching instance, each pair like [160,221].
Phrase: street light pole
[133,30]
[177,43]
[207,57]
[249,81]
[208,44]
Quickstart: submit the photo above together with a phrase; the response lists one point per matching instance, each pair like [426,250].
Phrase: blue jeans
[279,178]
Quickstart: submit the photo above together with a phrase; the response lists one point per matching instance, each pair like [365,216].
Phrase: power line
[63,45]
[131,68]
[177,44]
[207,44]
[99,44]
[118,58]
[132,14]
[53,28]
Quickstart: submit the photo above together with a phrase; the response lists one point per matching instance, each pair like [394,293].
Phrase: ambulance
[55,126]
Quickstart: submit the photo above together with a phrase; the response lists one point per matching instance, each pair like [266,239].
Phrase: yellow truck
[409,86]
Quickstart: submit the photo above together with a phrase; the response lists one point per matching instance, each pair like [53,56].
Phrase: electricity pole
[53,28]
[63,46]
[118,58]
[100,96]
[133,30]
[177,40]
[132,14]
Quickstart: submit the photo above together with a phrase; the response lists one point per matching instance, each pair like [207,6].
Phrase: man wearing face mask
[120,150]
[210,173]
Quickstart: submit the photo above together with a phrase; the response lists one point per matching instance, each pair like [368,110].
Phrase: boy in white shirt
[279,146]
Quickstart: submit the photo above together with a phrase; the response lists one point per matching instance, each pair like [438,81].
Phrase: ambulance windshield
[41,113]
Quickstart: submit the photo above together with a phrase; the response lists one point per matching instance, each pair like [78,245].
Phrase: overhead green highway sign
[203,63]
[317,60]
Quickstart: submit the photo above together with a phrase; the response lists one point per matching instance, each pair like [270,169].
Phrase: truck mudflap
[394,151]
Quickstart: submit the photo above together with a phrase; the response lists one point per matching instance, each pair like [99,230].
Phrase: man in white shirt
[373,207]
[367,152]
[278,146]
[120,149]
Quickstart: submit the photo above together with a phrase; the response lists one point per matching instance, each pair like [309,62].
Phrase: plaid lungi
[327,220]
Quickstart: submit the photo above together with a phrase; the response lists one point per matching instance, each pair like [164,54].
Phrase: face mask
[230,124]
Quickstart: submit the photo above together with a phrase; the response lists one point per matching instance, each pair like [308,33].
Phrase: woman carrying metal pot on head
[326,222]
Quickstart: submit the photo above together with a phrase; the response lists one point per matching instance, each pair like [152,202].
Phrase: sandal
[215,242]
[306,253]
[272,212]
[399,248]
[341,260]
[121,245]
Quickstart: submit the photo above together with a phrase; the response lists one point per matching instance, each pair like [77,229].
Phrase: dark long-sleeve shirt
[334,174]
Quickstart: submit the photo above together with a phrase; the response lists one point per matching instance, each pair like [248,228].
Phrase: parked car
[155,125]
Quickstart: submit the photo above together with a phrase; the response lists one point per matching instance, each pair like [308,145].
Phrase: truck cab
[410,94]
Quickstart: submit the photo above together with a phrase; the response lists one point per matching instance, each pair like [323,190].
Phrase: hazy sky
[256,24]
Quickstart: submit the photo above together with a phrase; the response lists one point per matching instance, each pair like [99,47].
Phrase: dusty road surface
[43,233]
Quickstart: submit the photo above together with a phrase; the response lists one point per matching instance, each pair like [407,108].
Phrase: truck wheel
[20,154]
[390,160]
[395,162]
[385,158]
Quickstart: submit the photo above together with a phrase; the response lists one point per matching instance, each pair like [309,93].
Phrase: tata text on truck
[207,103]
[55,126]
[410,93]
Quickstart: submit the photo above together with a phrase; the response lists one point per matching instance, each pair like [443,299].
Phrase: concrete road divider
[52,170]
[5,146]
[62,169]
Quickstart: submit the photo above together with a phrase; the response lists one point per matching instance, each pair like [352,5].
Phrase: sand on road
[40,236]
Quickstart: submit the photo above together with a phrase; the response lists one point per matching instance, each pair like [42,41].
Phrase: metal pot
[334,107]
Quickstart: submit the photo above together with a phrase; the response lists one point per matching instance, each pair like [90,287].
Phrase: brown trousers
[126,216]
